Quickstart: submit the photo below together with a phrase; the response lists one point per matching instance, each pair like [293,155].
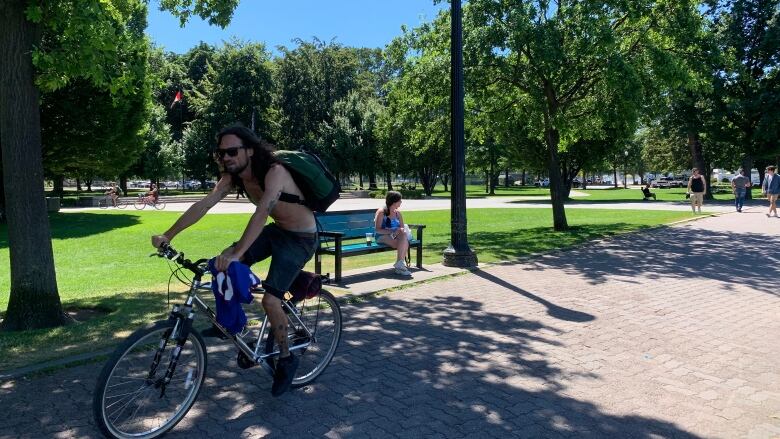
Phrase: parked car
[678,181]
[192,184]
[542,183]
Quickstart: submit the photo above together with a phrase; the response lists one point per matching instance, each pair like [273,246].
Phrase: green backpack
[319,186]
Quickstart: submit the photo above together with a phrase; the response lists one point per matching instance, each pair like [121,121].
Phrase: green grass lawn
[478,191]
[102,260]
[634,194]
[611,195]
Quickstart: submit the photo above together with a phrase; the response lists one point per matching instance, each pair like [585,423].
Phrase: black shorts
[289,252]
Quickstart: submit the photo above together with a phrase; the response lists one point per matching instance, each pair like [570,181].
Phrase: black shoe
[213,332]
[284,374]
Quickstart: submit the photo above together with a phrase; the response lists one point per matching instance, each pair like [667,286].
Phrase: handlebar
[168,252]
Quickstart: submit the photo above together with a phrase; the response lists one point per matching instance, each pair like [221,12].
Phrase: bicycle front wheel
[130,401]
[139,204]
[103,204]
[160,205]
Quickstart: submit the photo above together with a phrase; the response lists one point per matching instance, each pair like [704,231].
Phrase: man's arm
[196,211]
[273,190]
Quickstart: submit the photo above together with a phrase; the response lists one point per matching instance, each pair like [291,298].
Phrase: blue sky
[366,23]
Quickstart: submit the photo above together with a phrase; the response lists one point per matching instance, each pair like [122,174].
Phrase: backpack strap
[290,198]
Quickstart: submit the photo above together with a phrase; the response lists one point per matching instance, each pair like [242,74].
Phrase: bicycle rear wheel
[120,203]
[139,204]
[128,400]
[103,204]
[322,316]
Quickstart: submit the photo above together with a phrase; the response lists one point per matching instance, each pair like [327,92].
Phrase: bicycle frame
[193,301]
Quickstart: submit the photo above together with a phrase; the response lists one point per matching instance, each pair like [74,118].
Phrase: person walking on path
[771,188]
[389,230]
[739,185]
[697,185]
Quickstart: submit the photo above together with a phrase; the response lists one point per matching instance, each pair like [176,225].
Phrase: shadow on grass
[128,312]
[77,225]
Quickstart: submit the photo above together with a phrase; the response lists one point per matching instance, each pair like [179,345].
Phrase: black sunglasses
[232,151]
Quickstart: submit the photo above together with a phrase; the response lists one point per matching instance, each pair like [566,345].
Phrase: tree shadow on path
[674,252]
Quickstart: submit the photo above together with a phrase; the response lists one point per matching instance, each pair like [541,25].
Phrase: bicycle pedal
[243,361]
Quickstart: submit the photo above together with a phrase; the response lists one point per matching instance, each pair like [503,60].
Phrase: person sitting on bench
[647,193]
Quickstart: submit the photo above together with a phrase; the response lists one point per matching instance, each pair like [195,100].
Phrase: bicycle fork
[180,333]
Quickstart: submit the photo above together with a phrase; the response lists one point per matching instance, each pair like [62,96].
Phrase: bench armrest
[331,234]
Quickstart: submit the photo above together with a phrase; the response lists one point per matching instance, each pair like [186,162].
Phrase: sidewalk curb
[53,364]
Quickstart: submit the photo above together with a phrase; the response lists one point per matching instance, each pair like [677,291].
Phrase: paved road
[671,333]
[472,203]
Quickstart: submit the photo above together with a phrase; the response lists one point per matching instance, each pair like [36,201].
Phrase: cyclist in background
[113,193]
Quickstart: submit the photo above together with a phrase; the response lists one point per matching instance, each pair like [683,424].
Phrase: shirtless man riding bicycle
[290,240]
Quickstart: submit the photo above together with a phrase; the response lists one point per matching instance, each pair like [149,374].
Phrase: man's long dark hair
[261,160]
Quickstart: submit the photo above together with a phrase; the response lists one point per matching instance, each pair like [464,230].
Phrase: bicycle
[154,377]
[143,201]
[106,202]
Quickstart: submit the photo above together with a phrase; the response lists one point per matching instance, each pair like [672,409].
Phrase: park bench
[339,232]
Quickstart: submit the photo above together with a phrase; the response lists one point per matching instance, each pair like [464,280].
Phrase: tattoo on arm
[273,201]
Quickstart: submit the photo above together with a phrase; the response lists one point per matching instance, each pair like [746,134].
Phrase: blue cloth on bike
[231,289]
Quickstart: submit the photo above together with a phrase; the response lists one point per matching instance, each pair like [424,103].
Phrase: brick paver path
[668,333]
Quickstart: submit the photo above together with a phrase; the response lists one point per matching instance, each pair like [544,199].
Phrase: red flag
[176,98]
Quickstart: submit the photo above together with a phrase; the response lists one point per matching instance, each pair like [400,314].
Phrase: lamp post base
[459,258]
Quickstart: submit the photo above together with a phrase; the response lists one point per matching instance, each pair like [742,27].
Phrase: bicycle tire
[160,205]
[139,204]
[121,204]
[103,204]
[326,330]
[130,363]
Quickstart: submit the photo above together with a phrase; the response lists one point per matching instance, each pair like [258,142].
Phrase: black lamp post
[458,254]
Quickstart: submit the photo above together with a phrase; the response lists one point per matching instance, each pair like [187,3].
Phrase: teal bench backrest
[352,223]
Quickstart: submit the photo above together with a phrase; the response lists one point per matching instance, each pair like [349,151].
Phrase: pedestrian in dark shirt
[697,185]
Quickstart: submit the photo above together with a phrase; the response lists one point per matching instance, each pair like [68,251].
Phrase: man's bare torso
[288,216]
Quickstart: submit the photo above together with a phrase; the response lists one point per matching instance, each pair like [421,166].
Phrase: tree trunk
[556,193]
[2,189]
[697,156]
[360,180]
[123,184]
[372,181]
[614,179]
[89,185]
[33,301]
[389,181]
[522,178]
[506,177]
[445,180]
[58,186]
